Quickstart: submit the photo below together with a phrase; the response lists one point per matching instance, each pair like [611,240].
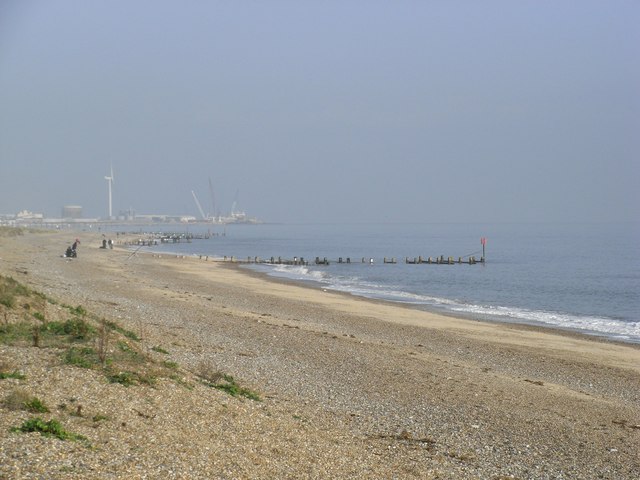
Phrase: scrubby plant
[83,340]
[103,342]
[181,381]
[79,311]
[230,386]
[146,379]
[6,365]
[76,328]
[77,412]
[208,372]
[129,353]
[7,300]
[15,374]
[125,347]
[36,405]
[12,333]
[16,400]
[84,357]
[171,365]
[52,428]
[123,378]
[123,331]
[35,333]
[222,381]
[128,378]
[10,289]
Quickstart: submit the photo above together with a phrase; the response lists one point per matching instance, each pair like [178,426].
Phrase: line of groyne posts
[441,260]
[148,240]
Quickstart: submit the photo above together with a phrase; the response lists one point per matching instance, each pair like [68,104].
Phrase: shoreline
[620,337]
[538,327]
[351,387]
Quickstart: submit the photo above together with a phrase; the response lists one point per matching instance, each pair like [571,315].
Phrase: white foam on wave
[371,290]
[603,325]
[357,286]
[613,328]
[298,272]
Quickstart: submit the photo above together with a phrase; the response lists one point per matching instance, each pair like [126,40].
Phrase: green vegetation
[74,329]
[123,378]
[84,340]
[128,378]
[13,333]
[84,357]
[127,333]
[181,381]
[214,378]
[230,386]
[36,405]
[52,334]
[10,290]
[52,428]
[171,365]
[78,311]
[222,381]
[20,399]
[123,346]
[15,374]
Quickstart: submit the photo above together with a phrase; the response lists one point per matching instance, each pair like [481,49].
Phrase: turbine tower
[109,180]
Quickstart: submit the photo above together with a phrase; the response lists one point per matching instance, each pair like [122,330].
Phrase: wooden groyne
[444,261]
[155,238]
[151,239]
[469,259]
[441,260]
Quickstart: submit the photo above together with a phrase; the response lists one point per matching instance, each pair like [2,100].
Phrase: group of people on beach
[107,243]
[72,250]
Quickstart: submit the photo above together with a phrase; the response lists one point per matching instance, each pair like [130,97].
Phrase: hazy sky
[323,110]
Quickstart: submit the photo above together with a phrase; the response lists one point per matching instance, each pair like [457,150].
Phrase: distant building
[27,216]
[71,211]
[128,215]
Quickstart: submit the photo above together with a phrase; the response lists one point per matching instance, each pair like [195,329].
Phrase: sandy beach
[349,388]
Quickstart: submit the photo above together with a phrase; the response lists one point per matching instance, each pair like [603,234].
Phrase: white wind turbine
[109,180]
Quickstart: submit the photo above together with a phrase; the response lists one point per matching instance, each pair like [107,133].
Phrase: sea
[582,277]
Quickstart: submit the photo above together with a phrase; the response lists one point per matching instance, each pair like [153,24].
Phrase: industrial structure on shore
[28,218]
[73,214]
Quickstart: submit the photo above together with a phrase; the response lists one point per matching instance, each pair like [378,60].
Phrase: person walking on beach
[75,245]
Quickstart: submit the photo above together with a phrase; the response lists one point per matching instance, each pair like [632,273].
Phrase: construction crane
[204,217]
[212,212]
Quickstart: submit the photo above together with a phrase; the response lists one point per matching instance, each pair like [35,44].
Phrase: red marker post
[483,241]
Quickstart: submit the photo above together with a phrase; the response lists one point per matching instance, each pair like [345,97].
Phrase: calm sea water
[583,277]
